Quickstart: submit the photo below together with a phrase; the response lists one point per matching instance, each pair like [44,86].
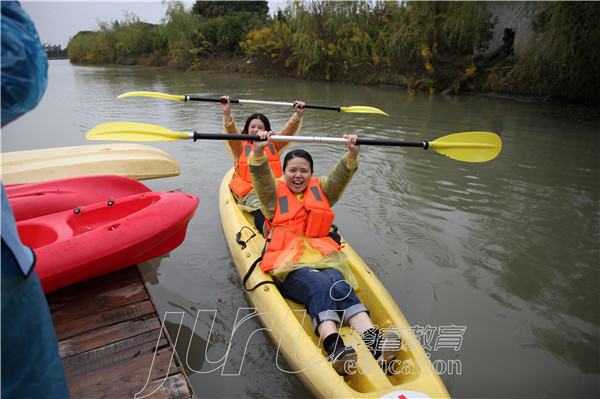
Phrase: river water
[507,251]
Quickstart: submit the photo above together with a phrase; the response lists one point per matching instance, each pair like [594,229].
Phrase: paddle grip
[329,107]
[210,99]
[221,136]
[394,143]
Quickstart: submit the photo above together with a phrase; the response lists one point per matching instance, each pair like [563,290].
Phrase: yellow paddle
[356,108]
[467,147]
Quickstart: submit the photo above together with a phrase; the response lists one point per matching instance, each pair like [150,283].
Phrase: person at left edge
[241,184]
[31,364]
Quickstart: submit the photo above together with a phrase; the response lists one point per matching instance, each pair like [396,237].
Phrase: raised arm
[263,178]
[234,147]
[293,126]
[335,183]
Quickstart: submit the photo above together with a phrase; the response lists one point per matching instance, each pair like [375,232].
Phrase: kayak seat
[97,215]
[45,230]
[37,234]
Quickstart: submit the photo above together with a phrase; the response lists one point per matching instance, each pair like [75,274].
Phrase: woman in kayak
[302,255]
[241,184]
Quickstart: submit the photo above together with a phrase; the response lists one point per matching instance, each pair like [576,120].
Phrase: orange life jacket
[310,218]
[241,184]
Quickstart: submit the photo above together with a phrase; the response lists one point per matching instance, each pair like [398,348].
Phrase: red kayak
[30,200]
[92,240]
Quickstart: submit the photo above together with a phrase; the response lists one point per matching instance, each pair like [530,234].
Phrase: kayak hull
[138,161]
[31,200]
[290,327]
[96,239]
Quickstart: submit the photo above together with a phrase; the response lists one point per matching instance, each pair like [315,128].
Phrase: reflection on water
[507,248]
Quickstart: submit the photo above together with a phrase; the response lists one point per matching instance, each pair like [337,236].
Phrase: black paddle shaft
[396,143]
[234,101]
[211,99]
[252,137]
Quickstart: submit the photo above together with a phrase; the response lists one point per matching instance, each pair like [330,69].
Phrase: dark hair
[263,118]
[298,154]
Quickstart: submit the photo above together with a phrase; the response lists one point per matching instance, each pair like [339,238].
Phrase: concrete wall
[513,15]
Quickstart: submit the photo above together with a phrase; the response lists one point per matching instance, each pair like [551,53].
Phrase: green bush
[230,33]
[119,42]
[210,30]
[367,42]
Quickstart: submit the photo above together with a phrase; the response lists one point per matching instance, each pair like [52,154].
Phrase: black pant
[259,220]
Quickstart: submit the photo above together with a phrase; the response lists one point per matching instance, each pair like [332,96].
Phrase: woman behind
[241,184]
[303,257]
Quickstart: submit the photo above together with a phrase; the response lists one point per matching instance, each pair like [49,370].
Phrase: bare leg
[361,322]
[338,353]
[326,328]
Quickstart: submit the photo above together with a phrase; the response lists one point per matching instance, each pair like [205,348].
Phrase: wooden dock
[110,336]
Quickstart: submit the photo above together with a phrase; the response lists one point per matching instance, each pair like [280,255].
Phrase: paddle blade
[363,109]
[132,131]
[151,94]
[469,146]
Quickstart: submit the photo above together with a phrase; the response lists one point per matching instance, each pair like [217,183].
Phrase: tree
[214,9]
[179,31]
[230,33]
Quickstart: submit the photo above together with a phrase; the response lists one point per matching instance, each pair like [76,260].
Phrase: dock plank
[101,360]
[173,387]
[105,336]
[129,347]
[133,371]
[102,319]
[97,298]
[112,342]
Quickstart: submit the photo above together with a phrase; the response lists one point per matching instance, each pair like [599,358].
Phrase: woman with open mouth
[303,254]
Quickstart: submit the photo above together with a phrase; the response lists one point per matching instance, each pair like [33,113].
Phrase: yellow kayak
[137,161]
[291,329]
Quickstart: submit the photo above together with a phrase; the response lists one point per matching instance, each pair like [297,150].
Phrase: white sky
[58,21]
